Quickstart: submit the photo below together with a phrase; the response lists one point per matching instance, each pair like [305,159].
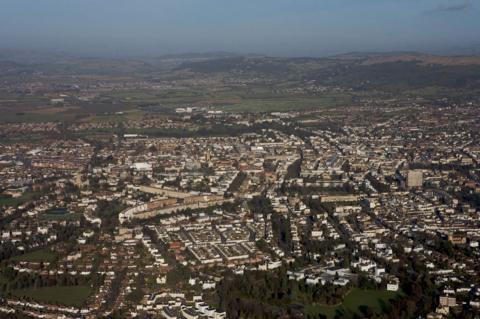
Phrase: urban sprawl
[324,203]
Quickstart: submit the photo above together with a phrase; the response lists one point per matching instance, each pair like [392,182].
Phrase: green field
[169,97]
[282,105]
[66,295]
[11,201]
[125,115]
[69,216]
[59,213]
[377,300]
[40,255]
[28,112]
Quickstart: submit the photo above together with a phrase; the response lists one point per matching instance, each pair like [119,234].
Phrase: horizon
[7,54]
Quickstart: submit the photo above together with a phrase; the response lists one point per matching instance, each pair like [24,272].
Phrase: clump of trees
[282,232]
[16,280]
[108,211]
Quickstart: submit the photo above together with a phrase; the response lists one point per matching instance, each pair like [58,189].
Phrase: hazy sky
[276,27]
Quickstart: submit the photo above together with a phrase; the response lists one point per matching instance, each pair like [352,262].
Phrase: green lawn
[377,300]
[11,201]
[66,295]
[286,104]
[40,255]
[69,216]
[26,197]
[36,117]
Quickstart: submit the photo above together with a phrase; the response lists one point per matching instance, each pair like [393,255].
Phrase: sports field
[40,255]
[376,300]
[66,295]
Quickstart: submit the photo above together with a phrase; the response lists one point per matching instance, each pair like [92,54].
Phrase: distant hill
[369,55]
[361,71]
[424,59]
[391,72]
[31,57]
[198,56]
[175,60]
[238,64]
[97,66]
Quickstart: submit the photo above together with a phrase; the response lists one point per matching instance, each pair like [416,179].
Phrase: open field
[282,105]
[119,106]
[66,295]
[130,115]
[40,255]
[68,216]
[15,201]
[167,97]
[23,115]
[376,300]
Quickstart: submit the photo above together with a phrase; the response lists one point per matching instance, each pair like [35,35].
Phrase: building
[414,178]
[457,238]
[446,301]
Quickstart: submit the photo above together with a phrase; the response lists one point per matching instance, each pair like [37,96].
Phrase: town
[269,214]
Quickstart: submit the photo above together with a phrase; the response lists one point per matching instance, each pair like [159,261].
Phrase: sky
[273,27]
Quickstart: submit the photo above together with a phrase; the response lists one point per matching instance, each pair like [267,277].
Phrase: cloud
[454,7]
